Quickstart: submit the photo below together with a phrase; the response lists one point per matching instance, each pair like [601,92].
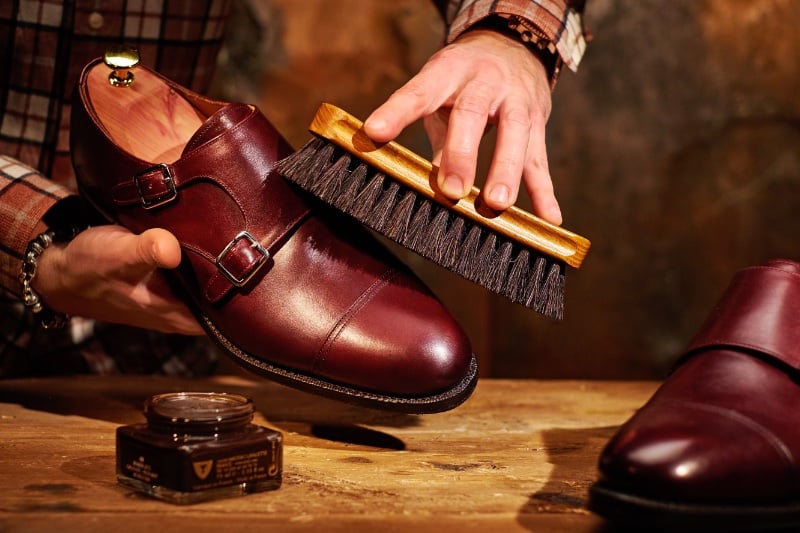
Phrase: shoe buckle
[241,280]
[148,199]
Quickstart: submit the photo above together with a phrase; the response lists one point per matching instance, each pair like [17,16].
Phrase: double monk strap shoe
[288,289]
[717,448]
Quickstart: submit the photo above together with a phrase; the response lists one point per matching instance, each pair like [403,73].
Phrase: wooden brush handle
[419,174]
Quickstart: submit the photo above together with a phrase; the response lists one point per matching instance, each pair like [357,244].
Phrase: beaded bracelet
[49,319]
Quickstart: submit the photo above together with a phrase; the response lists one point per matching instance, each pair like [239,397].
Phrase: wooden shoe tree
[147,119]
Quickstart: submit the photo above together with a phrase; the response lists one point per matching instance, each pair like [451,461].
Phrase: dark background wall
[675,149]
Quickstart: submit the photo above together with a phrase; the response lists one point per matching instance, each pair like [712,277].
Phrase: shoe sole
[638,513]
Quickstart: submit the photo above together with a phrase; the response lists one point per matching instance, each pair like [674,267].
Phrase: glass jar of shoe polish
[199,446]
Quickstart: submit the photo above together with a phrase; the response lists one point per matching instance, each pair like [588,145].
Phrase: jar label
[233,470]
[202,468]
[139,468]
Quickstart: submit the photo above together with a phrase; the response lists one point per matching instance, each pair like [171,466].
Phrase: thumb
[159,248]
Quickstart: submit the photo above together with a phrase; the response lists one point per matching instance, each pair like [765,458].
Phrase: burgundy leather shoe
[718,445]
[287,288]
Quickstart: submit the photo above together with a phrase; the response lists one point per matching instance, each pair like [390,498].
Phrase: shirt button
[96,20]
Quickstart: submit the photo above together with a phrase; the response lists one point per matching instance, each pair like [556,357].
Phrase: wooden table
[519,455]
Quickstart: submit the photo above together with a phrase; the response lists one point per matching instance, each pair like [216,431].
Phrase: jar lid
[198,410]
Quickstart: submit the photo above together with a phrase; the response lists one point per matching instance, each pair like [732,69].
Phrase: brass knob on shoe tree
[121,60]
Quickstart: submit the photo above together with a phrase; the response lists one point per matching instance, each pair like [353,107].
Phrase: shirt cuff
[26,197]
[551,23]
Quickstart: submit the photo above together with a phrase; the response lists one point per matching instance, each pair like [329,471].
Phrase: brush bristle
[505,267]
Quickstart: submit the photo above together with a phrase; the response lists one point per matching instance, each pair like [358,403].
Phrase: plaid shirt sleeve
[25,197]
[558,22]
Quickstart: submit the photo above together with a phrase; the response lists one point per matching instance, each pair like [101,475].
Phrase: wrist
[39,273]
[535,41]
[46,281]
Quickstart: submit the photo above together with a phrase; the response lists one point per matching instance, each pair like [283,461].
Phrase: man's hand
[483,78]
[110,274]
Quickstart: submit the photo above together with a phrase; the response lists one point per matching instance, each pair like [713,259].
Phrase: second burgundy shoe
[288,289]
[718,445]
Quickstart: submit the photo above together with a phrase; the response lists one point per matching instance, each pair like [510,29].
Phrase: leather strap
[151,188]
[158,184]
[268,210]
[760,311]
[241,259]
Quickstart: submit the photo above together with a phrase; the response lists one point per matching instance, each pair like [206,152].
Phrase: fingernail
[500,194]
[452,186]
[556,216]
[375,123]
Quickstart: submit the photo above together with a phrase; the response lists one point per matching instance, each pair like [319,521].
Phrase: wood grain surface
[517,456]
